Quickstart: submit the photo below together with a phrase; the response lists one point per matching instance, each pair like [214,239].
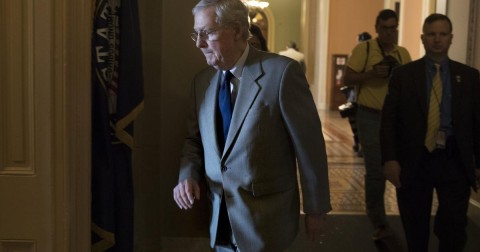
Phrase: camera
[389,61]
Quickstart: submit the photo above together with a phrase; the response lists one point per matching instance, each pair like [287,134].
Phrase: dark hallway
[348,228]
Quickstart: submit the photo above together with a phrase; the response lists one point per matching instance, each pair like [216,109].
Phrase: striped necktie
[434,110]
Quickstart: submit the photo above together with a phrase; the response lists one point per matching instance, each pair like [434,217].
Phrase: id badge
[441,139]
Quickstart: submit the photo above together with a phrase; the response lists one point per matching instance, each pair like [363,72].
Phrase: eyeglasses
[392,28]
[205,35]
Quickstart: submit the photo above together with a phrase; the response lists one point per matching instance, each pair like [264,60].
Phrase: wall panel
[16,88]
[26,198]
[17,246]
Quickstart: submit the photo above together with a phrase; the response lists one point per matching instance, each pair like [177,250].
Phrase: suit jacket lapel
[247,93]
[455,85]
[211,95]
[421,86]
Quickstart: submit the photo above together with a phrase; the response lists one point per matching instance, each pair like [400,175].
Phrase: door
[44,76]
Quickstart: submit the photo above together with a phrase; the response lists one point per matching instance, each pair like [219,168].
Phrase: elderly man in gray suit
[252,120]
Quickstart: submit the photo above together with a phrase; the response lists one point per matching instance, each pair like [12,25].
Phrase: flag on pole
[117,99]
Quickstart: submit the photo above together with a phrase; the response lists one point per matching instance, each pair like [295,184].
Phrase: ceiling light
[257,4]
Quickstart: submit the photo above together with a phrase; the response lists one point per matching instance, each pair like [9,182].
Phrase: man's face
[217,43]
[437,38]
[387,31]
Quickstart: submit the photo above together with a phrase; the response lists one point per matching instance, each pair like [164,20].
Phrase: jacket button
[224,168]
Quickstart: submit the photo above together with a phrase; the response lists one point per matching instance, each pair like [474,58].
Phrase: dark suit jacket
[274,126]
[404,117]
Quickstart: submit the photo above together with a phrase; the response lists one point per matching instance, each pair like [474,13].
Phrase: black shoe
[382,233]
[356,147]
[360,153]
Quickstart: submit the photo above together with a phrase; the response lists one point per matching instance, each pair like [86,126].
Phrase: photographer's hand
[381,71]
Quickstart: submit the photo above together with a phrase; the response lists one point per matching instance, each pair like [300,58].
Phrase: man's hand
[381,71]
[185,193]
[392,170]
[315,226]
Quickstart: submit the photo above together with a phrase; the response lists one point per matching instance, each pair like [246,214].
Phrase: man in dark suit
[250,162]
[430,138]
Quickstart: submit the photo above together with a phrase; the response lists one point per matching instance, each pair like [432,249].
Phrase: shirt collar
[237,69]
[431,65]
[395,49]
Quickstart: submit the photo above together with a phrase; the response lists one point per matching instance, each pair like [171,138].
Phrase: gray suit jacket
[274,125]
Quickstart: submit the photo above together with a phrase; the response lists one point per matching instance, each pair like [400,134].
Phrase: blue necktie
[225,105]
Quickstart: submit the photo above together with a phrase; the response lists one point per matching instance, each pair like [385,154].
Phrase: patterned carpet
[347,194]
[346,170]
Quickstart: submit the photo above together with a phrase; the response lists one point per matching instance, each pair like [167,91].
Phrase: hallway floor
[346,170]
[348,229]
